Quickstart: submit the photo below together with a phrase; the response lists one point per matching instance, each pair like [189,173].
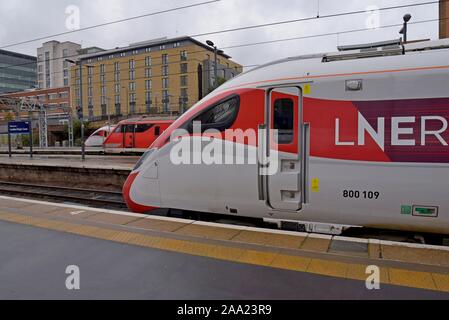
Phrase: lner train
[361,141]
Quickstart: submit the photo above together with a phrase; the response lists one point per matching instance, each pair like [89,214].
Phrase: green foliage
[9,116]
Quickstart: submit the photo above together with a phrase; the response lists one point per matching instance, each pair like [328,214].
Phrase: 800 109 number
[355,194]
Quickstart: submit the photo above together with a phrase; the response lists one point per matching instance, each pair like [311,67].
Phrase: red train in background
[137,133]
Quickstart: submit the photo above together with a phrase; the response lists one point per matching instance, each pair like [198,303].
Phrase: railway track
[90,197]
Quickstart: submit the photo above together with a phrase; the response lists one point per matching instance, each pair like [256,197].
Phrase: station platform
[92,151]
[128,256]
[73,161]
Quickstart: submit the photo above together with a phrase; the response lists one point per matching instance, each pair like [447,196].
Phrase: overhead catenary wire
[267,42]
[287,22]
[111,23]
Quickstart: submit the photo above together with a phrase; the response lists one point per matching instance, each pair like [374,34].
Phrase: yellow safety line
[392,276]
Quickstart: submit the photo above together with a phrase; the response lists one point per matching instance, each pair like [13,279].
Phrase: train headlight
[142,160]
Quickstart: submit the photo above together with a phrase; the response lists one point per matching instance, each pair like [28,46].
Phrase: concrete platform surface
[123,255]
[74,161]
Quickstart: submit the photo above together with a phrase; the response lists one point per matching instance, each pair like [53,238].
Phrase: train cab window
[128,128]
[283,120]
[157,131]
[142,128]
[119,129]
[219,117]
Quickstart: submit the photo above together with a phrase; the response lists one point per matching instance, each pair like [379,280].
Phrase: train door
[284,150]
[128,136]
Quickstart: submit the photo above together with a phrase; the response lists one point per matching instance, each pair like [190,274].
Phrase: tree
[9,116]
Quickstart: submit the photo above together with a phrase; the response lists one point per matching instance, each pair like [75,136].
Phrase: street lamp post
[404,30]
[81,113]
[211,44]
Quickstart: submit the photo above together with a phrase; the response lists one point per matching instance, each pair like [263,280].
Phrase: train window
[283,120]
[143,127]
[128,128]
[157,131]
[221,116]
[119,129]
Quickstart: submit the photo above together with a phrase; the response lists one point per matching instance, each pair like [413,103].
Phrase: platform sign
[19,127]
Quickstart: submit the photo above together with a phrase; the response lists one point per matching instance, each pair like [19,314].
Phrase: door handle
[261,157]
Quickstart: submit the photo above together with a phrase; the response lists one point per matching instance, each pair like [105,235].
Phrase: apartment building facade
[53,71]
[163,76]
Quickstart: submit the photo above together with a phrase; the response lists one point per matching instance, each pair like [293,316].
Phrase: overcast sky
[22,20]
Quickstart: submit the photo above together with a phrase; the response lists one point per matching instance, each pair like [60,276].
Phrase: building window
[165,59]
[117,99]
[132,75]
[40,68]
[176,44]
[147,61]
[90,70]
[90,91]
[132,64]
[164,71]
[102,79]
[66,73]
[165,101]
[118,108]
[103,90]
[183,67]
[165,83]
[148,97]
[148,73]
[66,82]
[116,66]
[132,102]
[184,82]
[117,88]
[148,84]
[102,69]
[184,55]
[104,111]
[89,81]
[148,50]
[117,76]
[132,86]
[90,101]
[162,47]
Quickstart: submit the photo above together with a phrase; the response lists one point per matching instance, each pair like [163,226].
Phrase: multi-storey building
[53,70]
[17,71]
[444,16]
[163,76]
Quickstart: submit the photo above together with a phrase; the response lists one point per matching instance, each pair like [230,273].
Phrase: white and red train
[136,133]
[363,141]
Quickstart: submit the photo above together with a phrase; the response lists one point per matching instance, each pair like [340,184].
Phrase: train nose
[127,196]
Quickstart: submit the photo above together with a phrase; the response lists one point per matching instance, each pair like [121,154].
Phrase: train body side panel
[378,156]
